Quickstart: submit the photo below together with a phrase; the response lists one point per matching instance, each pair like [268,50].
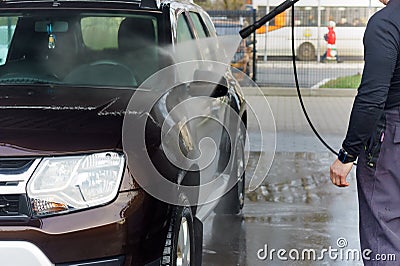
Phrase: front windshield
[89,49]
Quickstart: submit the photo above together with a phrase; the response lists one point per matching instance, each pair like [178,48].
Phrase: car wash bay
[296,207]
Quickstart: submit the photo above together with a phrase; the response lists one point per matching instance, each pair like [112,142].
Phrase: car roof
[146,4]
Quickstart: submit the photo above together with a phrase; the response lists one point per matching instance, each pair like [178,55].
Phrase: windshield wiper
[26,80]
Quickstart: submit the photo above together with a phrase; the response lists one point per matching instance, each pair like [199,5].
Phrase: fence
[271,44]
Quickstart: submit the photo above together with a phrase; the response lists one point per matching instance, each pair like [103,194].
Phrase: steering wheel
[102,72]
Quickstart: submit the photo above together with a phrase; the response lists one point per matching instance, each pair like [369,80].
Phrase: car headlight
[62,184]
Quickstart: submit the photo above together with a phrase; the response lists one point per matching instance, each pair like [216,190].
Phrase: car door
[210,101]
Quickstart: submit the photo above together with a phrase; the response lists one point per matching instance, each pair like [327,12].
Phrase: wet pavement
[296,208]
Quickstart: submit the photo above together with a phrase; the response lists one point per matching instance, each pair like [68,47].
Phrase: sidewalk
[329,111]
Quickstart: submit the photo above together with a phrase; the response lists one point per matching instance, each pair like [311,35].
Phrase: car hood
[54,120]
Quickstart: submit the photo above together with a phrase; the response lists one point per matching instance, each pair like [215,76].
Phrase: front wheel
[179,247]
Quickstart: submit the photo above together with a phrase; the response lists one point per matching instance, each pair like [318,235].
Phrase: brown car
[76,185]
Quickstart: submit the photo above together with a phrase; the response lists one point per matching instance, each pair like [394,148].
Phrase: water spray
[244,33]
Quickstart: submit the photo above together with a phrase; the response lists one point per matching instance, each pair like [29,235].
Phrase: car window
[100,33]
[7,28]
[210,25]
[186,50]
[198,25]
[183,30]
[82,49]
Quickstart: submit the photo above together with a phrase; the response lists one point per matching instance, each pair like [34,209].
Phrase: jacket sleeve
[381,49]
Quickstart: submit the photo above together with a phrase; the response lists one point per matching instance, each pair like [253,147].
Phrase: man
[330,38]
[374,137]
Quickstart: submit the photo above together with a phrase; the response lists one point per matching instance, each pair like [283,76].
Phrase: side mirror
[217,82]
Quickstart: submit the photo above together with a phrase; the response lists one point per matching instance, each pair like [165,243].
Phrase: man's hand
[339,172]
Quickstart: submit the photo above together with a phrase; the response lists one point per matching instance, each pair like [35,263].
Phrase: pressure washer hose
[299,93]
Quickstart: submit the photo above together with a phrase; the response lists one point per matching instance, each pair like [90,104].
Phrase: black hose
[299,93]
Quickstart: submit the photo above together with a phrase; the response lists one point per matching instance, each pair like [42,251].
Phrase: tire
[233,201]
[179,249]
[306,52]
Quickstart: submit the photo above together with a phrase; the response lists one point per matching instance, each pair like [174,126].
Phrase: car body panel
[121,227]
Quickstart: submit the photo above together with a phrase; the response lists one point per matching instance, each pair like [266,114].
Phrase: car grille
[14,166]
[14,173]
[9,205]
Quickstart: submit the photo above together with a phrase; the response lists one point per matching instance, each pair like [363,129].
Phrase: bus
[311,21]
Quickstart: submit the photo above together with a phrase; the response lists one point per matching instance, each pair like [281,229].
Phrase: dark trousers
[323,57]
[379,196]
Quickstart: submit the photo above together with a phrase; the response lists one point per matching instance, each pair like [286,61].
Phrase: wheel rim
[183,249]
[306,51]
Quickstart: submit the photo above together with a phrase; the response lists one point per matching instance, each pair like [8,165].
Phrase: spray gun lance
[244,33]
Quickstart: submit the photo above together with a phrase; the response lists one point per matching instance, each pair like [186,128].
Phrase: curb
[307,92]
